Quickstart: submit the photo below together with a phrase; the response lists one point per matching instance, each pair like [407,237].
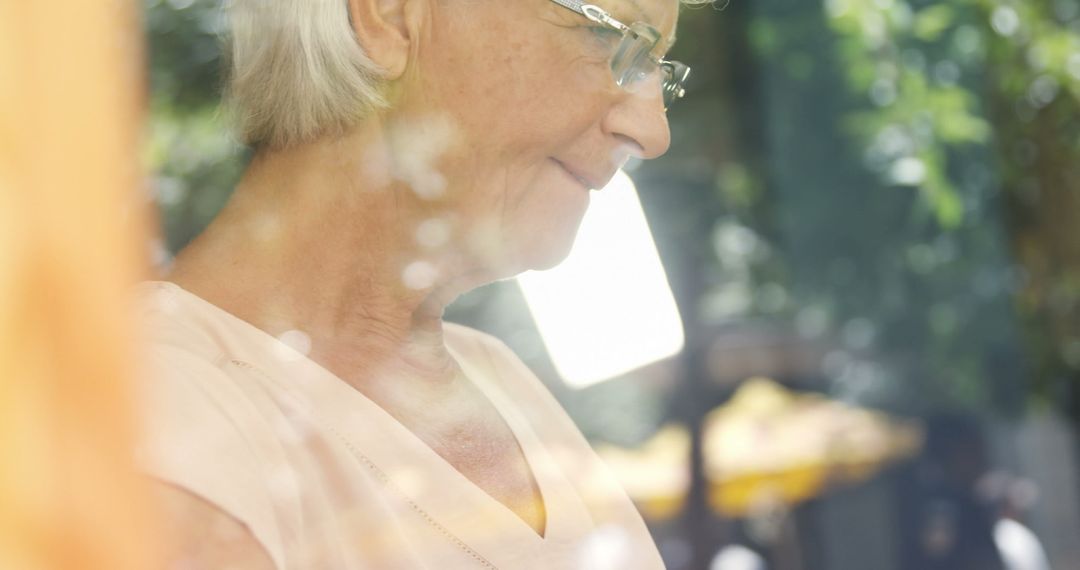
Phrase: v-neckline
[444,507]
[374,432]
[526,442]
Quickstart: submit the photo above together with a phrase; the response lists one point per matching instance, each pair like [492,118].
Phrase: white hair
[297,71]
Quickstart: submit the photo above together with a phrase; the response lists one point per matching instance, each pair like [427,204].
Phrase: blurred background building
[870,223]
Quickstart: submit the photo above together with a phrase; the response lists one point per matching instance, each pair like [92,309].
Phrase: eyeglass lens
[633,62]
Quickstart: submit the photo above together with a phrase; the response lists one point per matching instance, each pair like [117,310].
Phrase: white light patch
[298,341]
[608,308]
[419,275]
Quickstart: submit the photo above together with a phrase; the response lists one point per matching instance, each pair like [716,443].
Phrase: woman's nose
[639,117]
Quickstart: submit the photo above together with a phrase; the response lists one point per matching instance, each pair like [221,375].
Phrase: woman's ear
[385,31]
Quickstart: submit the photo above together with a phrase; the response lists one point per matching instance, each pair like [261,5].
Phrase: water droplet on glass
[1043,91]
[299,343]
[417,146]
[419,275]
[969,41]
[1074,65]
[737,557]
[908,171]
[604,548]
[159,254]
[1005,21]
[859,334]
[883,92]
[812,322]
[947,72]
[433,233]
[169,190]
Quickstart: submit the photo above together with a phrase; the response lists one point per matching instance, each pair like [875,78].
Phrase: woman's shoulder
[168,315]
[198,435]
[195,418]
[187,394]
[189,368]
[200,431]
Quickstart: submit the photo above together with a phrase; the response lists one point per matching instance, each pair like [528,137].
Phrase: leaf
[931,22]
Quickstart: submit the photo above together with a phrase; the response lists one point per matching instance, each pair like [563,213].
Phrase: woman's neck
[305,244]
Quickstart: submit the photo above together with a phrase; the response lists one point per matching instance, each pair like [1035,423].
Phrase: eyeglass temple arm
[592,12]
[575,5]
[596,14]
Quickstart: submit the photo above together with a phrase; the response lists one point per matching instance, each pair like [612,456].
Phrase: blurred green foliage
[194,160]
[976,80]
[893,176]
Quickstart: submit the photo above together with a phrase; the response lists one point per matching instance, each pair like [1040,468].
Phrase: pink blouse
[326,479]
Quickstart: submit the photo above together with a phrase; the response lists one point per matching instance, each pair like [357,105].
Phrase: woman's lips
[580,180]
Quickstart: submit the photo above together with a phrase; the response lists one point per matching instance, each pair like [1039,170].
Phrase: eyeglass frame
[674,88]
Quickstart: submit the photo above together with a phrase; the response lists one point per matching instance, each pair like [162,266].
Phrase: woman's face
[512,108]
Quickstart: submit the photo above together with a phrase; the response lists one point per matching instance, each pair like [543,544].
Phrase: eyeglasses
[633,60]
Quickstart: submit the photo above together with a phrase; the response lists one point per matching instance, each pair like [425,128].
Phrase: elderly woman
[308,408]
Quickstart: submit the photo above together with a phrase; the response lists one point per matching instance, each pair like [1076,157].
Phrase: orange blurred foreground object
[70,232]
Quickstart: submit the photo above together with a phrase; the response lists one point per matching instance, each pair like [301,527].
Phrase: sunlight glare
[608,308]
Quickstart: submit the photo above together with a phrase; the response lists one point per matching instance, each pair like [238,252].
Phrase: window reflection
[871,204]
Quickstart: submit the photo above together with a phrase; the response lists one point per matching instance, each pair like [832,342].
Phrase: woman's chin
[549,258]
[541,254]
[507,258]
